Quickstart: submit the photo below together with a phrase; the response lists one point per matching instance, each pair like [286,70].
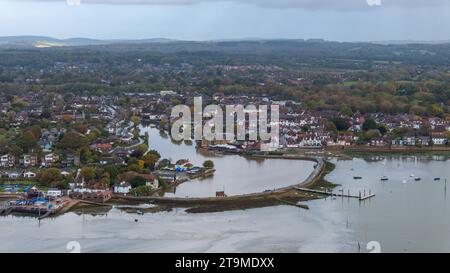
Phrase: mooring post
[360,195]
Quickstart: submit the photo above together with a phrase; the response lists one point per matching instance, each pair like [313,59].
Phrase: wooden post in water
[348,195]
[359,194]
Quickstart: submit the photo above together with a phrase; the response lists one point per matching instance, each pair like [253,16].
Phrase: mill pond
[405,216]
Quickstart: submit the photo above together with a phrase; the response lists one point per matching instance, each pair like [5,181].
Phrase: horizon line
[406,41]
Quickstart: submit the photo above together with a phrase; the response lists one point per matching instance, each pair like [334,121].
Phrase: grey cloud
[309,4]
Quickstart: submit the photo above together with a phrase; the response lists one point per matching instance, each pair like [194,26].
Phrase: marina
[361,196]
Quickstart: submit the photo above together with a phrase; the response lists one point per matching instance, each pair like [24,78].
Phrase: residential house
[438,138]
[29,175]
[153,184]
[71,160]
[112,160]
[120,152]
[379,142]
[7,161]
[122,188]
[409,140]
[49,160]
[150,180]
[54,192]
[93,195]
[423,140]
[102,147]
[29,160]
[13,175]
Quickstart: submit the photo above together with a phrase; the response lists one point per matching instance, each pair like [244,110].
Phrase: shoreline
[282,196]
[393,150]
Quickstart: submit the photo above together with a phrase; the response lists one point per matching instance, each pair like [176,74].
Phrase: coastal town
[224,135]
[74,130]
[57,149]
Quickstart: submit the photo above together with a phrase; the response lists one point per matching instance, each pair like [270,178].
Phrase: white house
[7,161]
[13,175]
[438,138]
[64,173]
[54,193]
[29,175]
[164,93]
[154,184]
[122,188]
[49,159]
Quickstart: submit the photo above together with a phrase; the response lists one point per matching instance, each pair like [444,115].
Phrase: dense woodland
[322,75]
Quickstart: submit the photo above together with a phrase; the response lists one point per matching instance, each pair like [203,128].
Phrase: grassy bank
[285,196]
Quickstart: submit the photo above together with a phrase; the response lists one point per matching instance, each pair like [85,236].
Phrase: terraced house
[7,161]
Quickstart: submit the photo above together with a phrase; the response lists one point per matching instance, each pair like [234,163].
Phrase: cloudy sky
[339,20]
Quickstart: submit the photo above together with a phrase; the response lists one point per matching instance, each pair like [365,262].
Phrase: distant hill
[289,51]
[43,41]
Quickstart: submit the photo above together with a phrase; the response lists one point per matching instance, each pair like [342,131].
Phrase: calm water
[234,174]
[405,215]
[279,229]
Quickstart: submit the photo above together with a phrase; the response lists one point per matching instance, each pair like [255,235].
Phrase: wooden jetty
[40,212]
[4,211]
[360,196]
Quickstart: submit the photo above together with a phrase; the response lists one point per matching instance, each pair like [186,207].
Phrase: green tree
[27,141]
[50,177]
[112,170]
[105,181]
[209,164]
[346,110]
[88,173]
[341,124]
[151,158]
[85,154]
[369,124]
[73,141]
[136,120]
[137,181]
[436,111]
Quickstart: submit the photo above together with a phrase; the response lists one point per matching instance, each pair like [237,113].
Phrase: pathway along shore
[286,195]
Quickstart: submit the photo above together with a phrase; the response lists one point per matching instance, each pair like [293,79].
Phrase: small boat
[412,175]
[417,179]
[357,177]
[404,182]
[437,179]
[384,178]
[140,212]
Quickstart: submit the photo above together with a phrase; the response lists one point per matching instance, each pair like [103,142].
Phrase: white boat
[404,182]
